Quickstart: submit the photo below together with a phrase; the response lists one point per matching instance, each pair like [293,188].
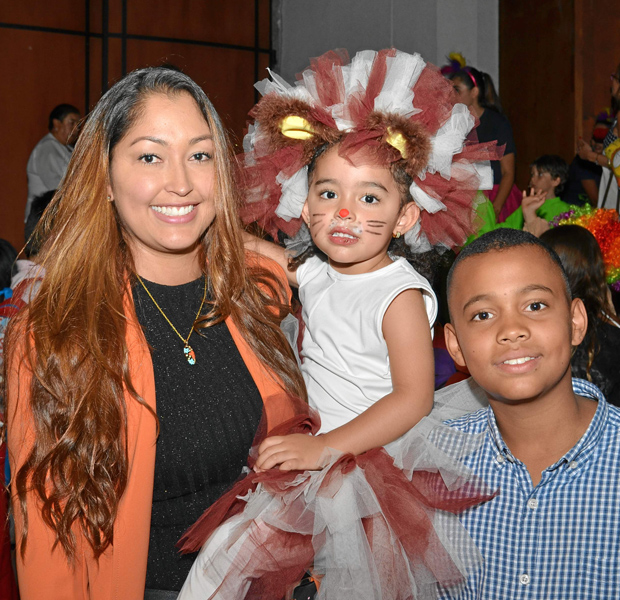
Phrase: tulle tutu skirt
[379,525]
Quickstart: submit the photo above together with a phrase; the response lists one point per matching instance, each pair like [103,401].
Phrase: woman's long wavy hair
[583,262]
[78,464]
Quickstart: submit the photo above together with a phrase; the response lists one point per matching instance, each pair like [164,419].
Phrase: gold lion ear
[398,141]
[296,128]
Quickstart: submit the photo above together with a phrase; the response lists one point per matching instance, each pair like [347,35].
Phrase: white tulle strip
[294,194]
[396,96]
[416,240]
[424,200]
[248,144]
[279,86]
[356,73]
[309,82]
[449,140]
[485,173]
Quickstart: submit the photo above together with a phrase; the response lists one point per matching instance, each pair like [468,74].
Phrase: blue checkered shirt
[559,540]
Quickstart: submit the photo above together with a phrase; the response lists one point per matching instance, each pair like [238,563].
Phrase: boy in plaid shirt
[551,444]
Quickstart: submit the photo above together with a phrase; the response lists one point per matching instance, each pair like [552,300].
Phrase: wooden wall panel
[39,70]
[536,78]
[220,22]
[264,24]
[600,27]
[60,14]
[555,62]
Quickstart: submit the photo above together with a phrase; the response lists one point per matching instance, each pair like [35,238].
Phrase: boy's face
[512,324]
[543,182]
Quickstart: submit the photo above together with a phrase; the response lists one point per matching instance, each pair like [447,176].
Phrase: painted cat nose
[344,213]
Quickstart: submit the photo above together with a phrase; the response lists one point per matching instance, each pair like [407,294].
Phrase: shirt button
[532,503]
[572,465]
[524,579]
[500,459]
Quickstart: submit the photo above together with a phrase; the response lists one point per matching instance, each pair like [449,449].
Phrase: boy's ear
[305,214]
[408,218]
[452,344]
[579,321]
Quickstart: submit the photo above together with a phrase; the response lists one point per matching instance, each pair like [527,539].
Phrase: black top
[604,371]
[579,171]
[208,414]
[495,126]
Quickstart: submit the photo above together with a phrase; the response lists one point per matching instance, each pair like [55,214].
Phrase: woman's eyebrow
[149,138]
[162,142]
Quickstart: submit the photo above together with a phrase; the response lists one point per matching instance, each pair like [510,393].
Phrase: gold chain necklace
[187,349]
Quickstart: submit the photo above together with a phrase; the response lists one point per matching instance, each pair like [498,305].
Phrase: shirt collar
[588,440]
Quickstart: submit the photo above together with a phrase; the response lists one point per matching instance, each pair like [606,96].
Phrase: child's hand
[291,452]
[530,204]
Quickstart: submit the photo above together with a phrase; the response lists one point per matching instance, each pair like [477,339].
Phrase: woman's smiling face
[162,176]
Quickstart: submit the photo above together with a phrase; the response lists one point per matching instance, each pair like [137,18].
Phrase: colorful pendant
[189,354]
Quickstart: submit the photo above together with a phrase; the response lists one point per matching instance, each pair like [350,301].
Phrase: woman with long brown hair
[596,358]
[147,292]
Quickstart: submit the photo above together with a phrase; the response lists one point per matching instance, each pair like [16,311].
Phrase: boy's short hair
[503,239]
[556,166]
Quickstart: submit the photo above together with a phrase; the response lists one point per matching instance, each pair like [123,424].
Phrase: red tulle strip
[434,98]
[329,82]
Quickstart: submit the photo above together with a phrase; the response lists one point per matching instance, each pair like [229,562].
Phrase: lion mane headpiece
[381,108]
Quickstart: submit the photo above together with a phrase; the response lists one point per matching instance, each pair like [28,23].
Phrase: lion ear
[296,127]
[397,140]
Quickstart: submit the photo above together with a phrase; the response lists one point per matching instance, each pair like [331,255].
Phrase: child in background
[362,159]
[551,445]
[8,256]
[548,175]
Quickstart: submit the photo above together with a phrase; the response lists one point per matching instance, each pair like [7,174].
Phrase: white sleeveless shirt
[345,361]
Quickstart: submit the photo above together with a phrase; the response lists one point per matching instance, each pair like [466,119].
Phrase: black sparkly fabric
[208,413]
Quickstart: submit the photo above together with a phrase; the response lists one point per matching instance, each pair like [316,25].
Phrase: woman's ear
[408,218]
[452,344]
[579,321]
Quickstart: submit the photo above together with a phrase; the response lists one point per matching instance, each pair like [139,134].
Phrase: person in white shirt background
[49,159]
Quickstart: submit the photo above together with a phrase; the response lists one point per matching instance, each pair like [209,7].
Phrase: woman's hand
[584,151]
[291,453]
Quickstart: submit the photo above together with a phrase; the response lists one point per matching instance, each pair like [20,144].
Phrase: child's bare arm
[406,331]
[270,250]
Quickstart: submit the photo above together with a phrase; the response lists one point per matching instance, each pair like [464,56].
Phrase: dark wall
[72,50]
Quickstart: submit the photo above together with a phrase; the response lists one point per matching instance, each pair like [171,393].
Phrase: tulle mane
[381,108]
